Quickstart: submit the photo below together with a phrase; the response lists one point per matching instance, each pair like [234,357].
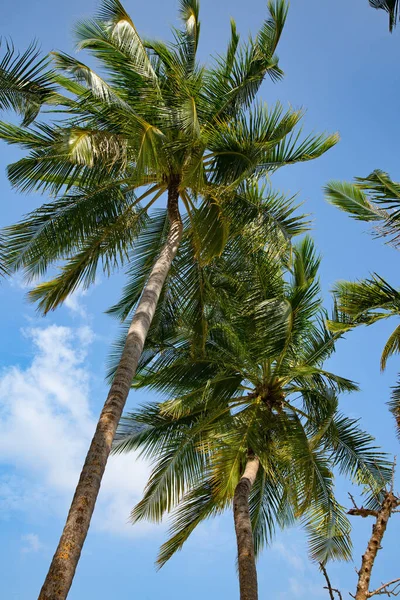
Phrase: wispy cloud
[31,543]
[291,555]
[47,423]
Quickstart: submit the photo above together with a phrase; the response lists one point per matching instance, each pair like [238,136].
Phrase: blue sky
[341,64]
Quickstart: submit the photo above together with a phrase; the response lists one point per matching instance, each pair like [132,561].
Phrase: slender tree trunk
[378,531]
[65,560]
[244,534]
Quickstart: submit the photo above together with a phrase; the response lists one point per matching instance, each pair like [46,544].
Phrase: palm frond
[25,81]
[353,200]
[392,7]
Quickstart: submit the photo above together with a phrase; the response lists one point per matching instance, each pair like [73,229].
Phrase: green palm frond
[353,200]
[392,346]
[250,385]
[3,266]
[366,301]
[109,245]
[25,81]
[392,7]
[195,507]
[394,405]
[113,39]
[328,531]
[375,198]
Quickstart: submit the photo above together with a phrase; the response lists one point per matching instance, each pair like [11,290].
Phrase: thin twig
[360,512]
[328,583]
[329,586]
[383,589]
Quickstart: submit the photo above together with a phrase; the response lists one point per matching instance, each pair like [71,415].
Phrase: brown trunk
[244,534]
[378,531]
[65,560]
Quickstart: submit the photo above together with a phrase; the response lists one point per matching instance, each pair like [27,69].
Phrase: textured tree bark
[378,531]
[65,560]
[244,534]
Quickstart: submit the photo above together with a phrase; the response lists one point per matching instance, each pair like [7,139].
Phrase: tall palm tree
[158,122]
[374,199]
[251,414]
[391,7]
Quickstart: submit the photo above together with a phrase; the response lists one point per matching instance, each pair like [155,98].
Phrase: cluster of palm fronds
[236,336]
[251,381]
[374,199]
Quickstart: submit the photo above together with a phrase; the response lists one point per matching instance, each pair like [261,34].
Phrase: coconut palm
[158,122]
[250,415]
[391,7]
[374,199]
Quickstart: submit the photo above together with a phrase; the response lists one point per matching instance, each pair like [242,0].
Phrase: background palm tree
[159,122]
[391,7]
[374,199]
[251,415]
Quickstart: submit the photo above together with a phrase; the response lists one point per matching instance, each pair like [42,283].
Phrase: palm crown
[157,119]
[255,387]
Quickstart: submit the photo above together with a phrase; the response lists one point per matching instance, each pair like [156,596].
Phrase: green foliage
[25,82]
[119,135]
[250,381]
[391,7]
[375,198]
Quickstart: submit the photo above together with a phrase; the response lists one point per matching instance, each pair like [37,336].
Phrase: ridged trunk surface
[66,558]
[244,534]
[378,531]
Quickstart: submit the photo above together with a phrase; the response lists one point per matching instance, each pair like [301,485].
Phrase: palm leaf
[25,82]
[391,7]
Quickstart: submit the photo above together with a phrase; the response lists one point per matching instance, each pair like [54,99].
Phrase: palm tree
[391,7]
[159,122]
[375,199]
[251,415]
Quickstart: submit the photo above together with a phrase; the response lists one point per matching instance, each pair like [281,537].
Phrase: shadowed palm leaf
[391,7]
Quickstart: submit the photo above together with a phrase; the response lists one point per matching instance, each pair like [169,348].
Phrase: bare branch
[382,517]
[329,587]
[362,512]
[353,501]
[384,589]
[328,583]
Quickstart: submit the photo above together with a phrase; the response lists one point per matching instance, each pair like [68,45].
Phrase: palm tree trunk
[66,558]
[244,534]
[378,531]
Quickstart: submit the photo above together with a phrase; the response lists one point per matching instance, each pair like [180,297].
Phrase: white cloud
[47,423]
[290,554]
[31,543]
[74,304]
